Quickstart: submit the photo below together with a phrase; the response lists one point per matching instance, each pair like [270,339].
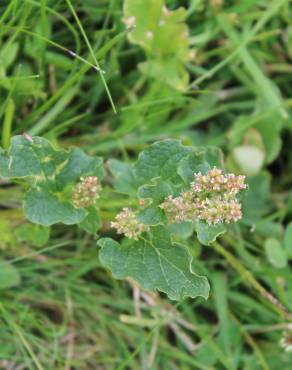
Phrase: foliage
[189,81]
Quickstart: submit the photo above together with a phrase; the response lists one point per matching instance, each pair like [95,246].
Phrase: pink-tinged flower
[86,192]
[211,198]
[215,180]
[126,223]
[235,183]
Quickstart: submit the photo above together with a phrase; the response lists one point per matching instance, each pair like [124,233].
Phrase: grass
[69,73]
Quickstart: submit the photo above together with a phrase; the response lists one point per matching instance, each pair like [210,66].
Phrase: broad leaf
[160,160]
[92,222]
[156,264]
[200,160]
[44,208]
[50,172]
[124,179]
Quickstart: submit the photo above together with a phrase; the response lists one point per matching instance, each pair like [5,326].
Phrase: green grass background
[61,309]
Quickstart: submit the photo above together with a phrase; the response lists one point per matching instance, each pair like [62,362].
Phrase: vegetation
[145,184]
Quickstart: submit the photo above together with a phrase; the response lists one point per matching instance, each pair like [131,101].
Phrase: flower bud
[86,192]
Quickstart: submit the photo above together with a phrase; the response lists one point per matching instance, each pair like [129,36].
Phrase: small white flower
[149,34]
[130,22]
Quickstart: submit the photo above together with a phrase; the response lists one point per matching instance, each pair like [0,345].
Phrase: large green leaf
[44,208]
[49,173]
[156,264]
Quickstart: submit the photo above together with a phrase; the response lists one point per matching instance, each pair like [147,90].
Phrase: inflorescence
[86,192]
[211,198]
[127,223]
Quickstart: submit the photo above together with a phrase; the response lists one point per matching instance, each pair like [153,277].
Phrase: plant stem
[7,124]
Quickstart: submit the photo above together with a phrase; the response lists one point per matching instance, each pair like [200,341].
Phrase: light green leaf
[92,222]
[207,234]
[9,276]
[8,54]
[275,253]
[153,26]
[249,158]
[288,240]
[34,234]
[156,264]
[255,202]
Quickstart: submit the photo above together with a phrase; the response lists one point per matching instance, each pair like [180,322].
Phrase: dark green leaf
[156,264]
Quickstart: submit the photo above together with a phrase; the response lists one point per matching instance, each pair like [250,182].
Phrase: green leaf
[155,25]
[79,164]
[152,216]
[124,179]
[34,234]
[49,172]
[183,230]
[160,160]
[207,234]
[92,222]
[8,54]
[255,202]
[170,71]
[200,160]
[288,240]
[157,191]
[9,276]
[44,208]
[275,253]
[156,264]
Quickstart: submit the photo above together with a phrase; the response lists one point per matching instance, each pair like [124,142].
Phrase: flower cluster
[211,198]
[286,340]
[126,223]
[86,192]
[216,181]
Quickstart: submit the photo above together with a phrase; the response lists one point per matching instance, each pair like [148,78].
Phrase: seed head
[126,223]
[86,192]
